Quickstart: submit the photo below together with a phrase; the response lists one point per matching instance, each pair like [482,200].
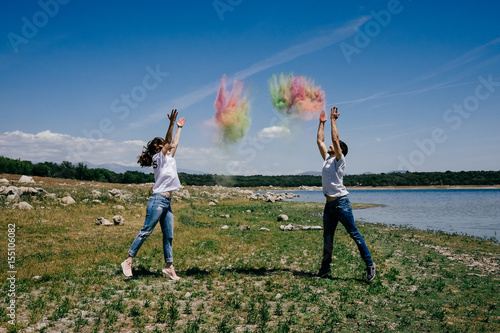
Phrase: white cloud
[273,132]
[57,147]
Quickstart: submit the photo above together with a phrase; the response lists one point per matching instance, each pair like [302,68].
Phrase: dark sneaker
[370,272]
[323,273]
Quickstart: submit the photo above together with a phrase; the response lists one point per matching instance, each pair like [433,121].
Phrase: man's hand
[173,115]
[334,113]
[322,117]
[181,122]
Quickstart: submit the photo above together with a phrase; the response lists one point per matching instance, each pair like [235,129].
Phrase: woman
[159,153]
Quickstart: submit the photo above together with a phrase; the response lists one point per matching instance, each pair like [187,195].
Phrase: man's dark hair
[344,147]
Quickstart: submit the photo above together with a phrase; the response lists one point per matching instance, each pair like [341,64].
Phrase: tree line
[80,171]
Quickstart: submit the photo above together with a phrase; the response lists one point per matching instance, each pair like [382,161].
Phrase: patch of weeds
[147,303]
[162,313]
[190,221]
[278,311]
[118,305]
[376,287]
[138,322]
[62,309]
[224,326]
[286,325]
[437,313]
[80,322]
[135,311]
[264,316]
[36,307]
[253,314]
[234,301]
[111,317]
[392,275]
[187,308]
[192,326]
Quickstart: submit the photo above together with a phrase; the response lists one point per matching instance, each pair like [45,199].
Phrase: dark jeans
[335,211]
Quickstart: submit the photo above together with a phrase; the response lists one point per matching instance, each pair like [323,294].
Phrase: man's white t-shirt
[332,177]
[165,171]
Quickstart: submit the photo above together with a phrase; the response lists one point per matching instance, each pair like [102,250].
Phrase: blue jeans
[158,209]
[335,211]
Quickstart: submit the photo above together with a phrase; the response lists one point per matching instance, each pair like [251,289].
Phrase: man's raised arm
[320,138]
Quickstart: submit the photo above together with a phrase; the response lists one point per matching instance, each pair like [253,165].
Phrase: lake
[473,212]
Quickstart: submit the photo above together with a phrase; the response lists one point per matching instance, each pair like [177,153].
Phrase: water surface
[464,211]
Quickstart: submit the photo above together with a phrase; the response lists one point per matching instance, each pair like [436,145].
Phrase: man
[337,207]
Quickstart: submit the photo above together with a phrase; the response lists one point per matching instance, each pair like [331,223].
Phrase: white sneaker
[127,268]
[171,276]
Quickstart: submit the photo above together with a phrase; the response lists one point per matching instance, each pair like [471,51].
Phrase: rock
[23,205]
[137,216]
[243,227]
[120,207]
[224,227]
[10,190]
[249,211]
[282,217]
[26,180]
[102,221]
[292,226]
[51,196]
[184,194]
[96,194]
[68,200]
[225,215]
[13,198]
[316,227]
[271,199]
[211,203]
[118,220]
[271,196]
[263,229]
[118,194]
[96,201]
[4,181]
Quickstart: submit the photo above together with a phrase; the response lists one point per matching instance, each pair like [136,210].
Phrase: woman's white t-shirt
[332,177]
[165,171]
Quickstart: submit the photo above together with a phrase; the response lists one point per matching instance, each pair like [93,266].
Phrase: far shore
[432,187]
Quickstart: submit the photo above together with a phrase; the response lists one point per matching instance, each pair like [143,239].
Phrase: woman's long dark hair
[146,158]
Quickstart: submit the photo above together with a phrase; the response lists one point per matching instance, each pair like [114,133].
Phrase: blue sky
[417,83]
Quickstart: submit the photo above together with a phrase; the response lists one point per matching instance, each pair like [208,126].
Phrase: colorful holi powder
[296,96]
[231,112]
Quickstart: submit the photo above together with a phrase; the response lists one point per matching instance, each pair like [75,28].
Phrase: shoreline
[429,187]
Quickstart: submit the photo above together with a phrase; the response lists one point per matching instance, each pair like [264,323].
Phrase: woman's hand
[334,113]
[322,117]
[181,122]
[173,115]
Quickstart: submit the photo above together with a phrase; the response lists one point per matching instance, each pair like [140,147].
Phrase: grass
[234,280]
